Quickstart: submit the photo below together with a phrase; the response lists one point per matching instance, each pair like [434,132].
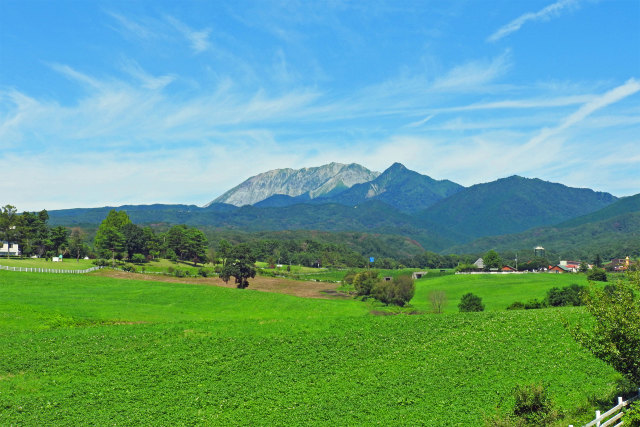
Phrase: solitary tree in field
[438,300]
[239,265]
[470,302]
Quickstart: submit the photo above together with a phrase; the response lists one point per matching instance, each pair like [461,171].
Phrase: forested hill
[500,208]
[620,207]
[373,217]
[512,205]
[610,238]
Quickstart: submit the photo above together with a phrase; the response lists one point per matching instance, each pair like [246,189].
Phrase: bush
[138,259]
[470,302]
[632,415]
[204,272]
[179,273]
[534,304]
[129,267]
[398,292]
[516,306]
[365,281]
[466,268]
[348,278]
[597,275]
[533,405]
[567,296]
[101,262]
[170,269]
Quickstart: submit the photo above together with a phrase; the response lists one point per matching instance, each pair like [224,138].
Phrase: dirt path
[259,283]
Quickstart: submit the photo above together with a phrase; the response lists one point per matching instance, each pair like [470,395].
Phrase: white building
[11,248]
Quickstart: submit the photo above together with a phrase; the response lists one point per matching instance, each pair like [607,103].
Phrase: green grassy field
[95,350]
[497,291]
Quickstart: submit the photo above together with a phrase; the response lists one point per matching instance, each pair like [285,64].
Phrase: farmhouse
[559,269]
[479,263]
[508,268]
[9,248]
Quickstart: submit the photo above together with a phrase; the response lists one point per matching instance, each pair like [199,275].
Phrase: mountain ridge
[314,181]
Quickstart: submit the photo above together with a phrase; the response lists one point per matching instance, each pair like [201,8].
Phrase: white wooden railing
[47,270]
[612,416]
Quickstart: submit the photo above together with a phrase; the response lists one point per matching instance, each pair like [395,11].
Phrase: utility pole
[516,261]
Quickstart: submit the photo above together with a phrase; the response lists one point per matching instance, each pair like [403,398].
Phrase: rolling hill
[512,205]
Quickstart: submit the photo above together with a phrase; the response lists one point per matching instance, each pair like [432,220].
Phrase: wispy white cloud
[147,80]
[127,26]
[199,39]
[629,88]
[474,74]
[421,122]
[544,14]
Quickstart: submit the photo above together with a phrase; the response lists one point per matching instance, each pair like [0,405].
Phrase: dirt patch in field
[259,283]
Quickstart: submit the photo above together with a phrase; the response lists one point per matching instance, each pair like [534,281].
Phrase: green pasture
[66,264]
[92,350]
[497,291]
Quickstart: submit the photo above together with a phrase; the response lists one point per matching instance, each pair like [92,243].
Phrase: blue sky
[117,102]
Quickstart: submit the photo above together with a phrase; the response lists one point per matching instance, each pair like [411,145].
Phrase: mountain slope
[512,205]
[371,217]
[404,189]
[610,238]
[316,181]
[621,206]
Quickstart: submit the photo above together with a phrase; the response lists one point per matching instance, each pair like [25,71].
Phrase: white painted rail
[47,270]
[612,416]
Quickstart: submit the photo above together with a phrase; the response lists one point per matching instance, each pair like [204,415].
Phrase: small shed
[508,268]
[418,275]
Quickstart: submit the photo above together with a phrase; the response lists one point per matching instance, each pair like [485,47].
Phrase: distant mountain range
[307,182]
[440,216]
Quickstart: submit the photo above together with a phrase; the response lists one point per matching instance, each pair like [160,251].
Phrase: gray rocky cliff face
[316,181]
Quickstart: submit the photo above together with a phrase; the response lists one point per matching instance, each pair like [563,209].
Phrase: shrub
[138,259]
[466,268]
[348,278]
[129,267]
[204,272]
[179,273]
[516,306]
[533,405]
[170,269]
[398,292]
[597,275]
[567,296]
[101,262]
[533,304]
[632,415]
[470,302]
[438,300]
[365,281]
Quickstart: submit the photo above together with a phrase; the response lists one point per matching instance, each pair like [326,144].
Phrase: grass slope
[497,291]
[74,351]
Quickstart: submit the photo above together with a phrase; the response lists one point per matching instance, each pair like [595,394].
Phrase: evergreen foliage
[470,302]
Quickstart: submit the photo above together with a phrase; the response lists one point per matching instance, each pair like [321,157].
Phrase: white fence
[612,416]
[47,270]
